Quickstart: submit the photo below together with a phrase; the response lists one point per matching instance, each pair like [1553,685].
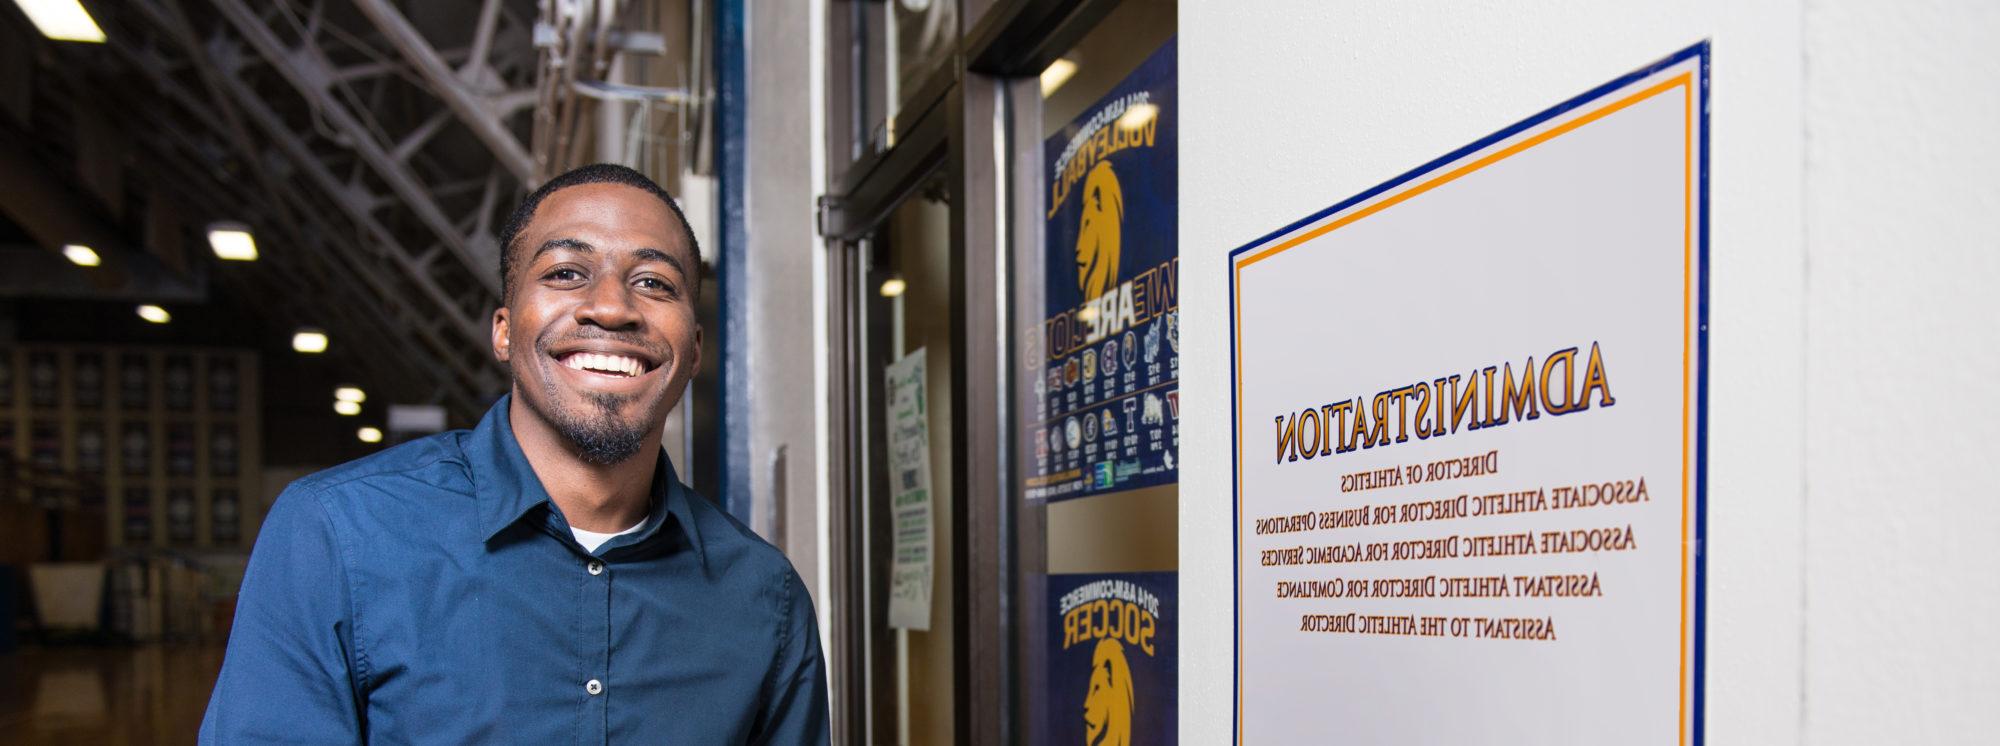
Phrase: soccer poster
[1111,658]
[1105,358]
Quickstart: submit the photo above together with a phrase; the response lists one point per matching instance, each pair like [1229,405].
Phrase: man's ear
[500,341]
[694,366]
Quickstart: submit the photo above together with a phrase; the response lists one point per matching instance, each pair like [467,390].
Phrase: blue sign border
[1698,50]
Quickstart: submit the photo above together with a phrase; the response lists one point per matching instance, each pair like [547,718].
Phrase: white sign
[416,418]
[909,493]
[1468,410]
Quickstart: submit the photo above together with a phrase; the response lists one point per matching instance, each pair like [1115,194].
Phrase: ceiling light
[155,314]
[345,407]
[350,393]
[1137,115]
[232,241]
[309,341]
[62,20]
[82,255]
[369,435]
[893,287]
[1056,75]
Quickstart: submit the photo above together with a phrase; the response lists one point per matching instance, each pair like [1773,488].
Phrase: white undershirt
[591,540]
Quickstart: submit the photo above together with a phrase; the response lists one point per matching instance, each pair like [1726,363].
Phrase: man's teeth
[597,363]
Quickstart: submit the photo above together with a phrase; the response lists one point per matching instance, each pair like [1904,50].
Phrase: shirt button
[596,568]
[594,687]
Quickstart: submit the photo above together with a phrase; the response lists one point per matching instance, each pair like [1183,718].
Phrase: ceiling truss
[374,146]
[339,131]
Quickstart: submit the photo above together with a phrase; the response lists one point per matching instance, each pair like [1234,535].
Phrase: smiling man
[543,577]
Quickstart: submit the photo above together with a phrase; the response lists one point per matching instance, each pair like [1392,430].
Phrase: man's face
[601,331]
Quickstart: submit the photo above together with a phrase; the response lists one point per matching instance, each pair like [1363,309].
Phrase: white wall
[1903,233]
[1855,224]
[786,345]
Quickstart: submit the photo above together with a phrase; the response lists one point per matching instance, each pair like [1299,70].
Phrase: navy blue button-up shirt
[432,593]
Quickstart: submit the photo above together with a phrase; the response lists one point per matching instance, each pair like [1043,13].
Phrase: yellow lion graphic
[1098,234]
[1107,710]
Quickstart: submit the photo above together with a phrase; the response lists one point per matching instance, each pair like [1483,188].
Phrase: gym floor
[118,695]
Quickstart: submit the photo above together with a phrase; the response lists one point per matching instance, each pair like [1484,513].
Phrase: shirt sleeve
[286,676]
[796,711]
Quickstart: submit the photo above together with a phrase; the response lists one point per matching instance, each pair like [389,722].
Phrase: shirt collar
[507,488]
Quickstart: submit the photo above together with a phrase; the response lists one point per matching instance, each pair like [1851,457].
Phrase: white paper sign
[909,493]
[1468,412]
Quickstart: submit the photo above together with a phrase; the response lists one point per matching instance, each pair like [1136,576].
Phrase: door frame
[976,117]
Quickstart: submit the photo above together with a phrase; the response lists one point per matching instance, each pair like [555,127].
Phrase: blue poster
[1106,386]
[1112,659]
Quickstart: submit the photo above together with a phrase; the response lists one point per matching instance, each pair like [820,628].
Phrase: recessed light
[1057,73]
[347,408]
[232,241]
[893,287]
[62,20]
[350,393]
[369,435]
[82,255]
[309,341]
[155,314]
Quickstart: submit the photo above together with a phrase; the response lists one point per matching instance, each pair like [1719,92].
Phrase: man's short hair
[596,173]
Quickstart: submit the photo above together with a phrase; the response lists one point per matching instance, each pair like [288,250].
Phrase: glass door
[896,512]
[1004,393]
[1095,311]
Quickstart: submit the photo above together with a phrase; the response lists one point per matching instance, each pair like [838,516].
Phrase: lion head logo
[1107,710]
[1098,234]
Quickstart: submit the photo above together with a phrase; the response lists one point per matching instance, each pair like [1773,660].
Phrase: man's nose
[609,305]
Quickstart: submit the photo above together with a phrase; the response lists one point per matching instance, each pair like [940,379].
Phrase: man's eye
[655,284]
[563,274]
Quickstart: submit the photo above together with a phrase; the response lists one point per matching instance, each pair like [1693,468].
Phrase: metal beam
[476,113]
[336,300]
[309,73]
[344,197]
[482,40]
[340,298]
[346,270]
[259,112]
[472,381]
[418,137]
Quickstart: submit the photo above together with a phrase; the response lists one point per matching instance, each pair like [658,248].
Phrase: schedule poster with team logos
[1111,660]
[1468,408]
[1104,361]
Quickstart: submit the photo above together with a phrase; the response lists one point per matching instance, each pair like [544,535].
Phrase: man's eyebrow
[656,255]
[553,244]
